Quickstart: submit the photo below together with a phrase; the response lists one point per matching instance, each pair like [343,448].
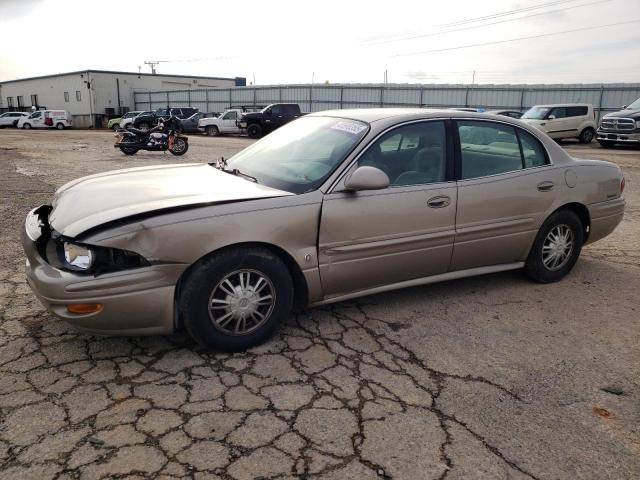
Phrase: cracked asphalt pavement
[491,377]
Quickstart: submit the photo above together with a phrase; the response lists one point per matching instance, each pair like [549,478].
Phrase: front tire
[180,147]
[587,135]
[26,126]
[254,131]
[213,131]
[556,248]
[236,299]
[115,126]
[606,144]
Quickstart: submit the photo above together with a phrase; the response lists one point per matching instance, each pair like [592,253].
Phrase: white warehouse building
[92,96]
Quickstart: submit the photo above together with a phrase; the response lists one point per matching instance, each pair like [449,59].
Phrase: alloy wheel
[557,247]
[241,302]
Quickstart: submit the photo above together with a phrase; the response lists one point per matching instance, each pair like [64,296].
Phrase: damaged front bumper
[139,301]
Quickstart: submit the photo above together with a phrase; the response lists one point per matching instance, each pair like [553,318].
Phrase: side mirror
[268,112]
[551,117]
[367,178]
[623,107]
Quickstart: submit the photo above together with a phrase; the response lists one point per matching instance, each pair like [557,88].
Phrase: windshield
[299,156]
[634,105]
[130,114]
[536,113]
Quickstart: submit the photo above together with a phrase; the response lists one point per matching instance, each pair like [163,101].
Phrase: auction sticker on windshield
[349,127]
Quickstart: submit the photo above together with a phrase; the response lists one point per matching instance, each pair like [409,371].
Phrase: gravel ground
[490,378]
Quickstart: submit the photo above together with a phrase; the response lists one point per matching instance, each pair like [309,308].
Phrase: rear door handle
[439,201]
[545,186]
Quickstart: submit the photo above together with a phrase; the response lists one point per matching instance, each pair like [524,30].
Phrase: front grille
[618,124]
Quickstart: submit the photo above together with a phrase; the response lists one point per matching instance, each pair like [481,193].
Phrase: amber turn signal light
[84,307]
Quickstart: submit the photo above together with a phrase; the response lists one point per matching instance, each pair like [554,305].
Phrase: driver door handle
[545,186]
[439,201]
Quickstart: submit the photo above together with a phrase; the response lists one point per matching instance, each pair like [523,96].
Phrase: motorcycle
[167,135]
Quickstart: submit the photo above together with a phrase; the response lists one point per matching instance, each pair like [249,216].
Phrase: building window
[34,100]
[9,101]
[20,101]
[66,97]
[78,95]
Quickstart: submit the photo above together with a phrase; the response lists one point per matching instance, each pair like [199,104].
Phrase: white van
[59,119]
[564,120]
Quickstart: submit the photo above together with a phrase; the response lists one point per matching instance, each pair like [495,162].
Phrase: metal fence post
[189,97]
[311,98]
[230,98]
[341,96]
[381,97]
[600,102]
[521,99]
[466,97]
[150,108]
[255,102]
[168,100]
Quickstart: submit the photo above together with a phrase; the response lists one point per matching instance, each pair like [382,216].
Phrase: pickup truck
[620,127]
[268,119]
[225,122]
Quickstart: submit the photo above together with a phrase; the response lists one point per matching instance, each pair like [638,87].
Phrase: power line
[460,47]
[506,13]
[433,34]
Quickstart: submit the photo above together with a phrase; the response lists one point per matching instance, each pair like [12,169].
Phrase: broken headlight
[90,259]
[78,256]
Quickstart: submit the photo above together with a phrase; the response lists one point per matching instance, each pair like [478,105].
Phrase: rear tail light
[622,182]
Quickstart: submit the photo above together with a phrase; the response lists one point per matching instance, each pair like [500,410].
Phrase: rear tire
[220,313]
[128,150]
[254,131]
[606,144]
[587,135]
[550,260]
[213,131]
[60,126]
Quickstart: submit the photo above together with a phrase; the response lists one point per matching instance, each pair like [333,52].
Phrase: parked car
[268,119]
[333,206]
[116,123]
[59,119]
[10,119]
[127,122]
[224,123]
[191,123]
[569,120]
[146,120]
[506,113]
[621,127]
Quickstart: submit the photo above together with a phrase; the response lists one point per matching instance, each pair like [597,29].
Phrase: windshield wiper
[222,165]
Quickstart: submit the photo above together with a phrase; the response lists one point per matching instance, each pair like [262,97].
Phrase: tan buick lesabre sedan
[330,207]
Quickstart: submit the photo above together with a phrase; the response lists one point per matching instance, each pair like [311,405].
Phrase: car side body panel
[340,252]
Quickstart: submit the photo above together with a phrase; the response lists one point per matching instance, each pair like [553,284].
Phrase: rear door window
[488,148]
[577,111]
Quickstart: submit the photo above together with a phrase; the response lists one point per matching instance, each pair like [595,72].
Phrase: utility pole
[153,63]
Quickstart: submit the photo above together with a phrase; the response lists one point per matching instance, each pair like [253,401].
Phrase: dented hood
[92,201]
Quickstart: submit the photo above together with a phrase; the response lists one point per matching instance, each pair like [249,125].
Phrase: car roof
[370,115]
[565,105]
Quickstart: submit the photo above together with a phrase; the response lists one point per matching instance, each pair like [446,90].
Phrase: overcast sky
[417,41]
